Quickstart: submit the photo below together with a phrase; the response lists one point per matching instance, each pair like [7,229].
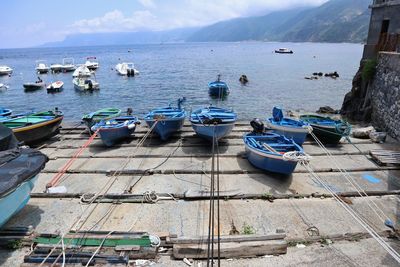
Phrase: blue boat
[19,168]
[114,130]
[213,123]
[267,151]
[4,112]
[218,88]
[290,128]
[169,119]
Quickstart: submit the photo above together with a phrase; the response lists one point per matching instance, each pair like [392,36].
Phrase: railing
[388,43]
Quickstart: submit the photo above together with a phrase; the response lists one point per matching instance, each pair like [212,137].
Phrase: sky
[27,23]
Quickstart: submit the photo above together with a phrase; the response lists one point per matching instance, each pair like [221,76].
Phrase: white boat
[91,63]
[3,86]
[5,70]
[85,84]
[55,86]
[126,69]
[56,67]
[284,51]
[68,65]
[82,71]
[42,67]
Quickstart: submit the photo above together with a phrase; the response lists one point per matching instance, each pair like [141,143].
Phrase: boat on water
[5,70]
[68,65]
[213,123]
[92,63]
[85,84]
[3,86]
[5,112]
[284,51]
[56,67]
[31,128]
[272,152]
[116,129]
[218,88]
[41,67]
[82,71]
[290,128]
[169,119]
[101,114]
[33,86]
[19,168]
[55,87]
[126,69]
[326,129]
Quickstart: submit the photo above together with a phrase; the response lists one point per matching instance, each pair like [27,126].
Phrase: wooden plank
[127,248]
[226,239]
[231,249]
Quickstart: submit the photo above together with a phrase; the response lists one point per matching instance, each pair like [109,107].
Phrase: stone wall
[385,94]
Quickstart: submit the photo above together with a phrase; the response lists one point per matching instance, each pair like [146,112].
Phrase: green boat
[34,127]
[101,114]
[328,130]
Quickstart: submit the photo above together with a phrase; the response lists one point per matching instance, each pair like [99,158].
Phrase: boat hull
[33,87]
[211,131]
[111,136]
[298,134]
[37,132]
[327,135]
[165,128]
[16,200]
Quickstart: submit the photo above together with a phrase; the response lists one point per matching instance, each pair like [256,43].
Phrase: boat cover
[277,114]
[7,138]
[18,165]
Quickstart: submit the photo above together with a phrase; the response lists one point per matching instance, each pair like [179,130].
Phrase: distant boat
[101,114]
[284,51]
[116,129]
[169,120]
[55,87]
[91,63]
[328,130]
[218,88]
[3,86]
[266,151]
[5,70]
[34,127]
[68,65]
[213,123]
[85,84]
[33,86]
[42,67]
[19,168]
[290,128]
[56,67]
[126,69]
[82,71]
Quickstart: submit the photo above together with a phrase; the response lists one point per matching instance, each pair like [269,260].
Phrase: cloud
[147,3]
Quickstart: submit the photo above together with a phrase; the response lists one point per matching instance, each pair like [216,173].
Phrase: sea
[171,71]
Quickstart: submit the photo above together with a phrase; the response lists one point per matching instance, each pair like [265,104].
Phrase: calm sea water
[169,71]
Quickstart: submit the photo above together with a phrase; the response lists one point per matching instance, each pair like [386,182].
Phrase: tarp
[7,138]
[18,165]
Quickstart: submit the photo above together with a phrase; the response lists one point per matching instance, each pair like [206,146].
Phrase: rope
[296,156]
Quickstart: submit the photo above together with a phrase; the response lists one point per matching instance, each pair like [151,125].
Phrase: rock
[377,137]
[362,133]
[327,110]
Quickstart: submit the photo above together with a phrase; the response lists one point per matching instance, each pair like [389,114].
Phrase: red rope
[53,182]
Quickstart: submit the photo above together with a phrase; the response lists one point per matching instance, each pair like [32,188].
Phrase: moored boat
[82,71]
[42,67]
[34,127]
[5,112]
[68,65]
[126,69]
[213,123]
[218,88]
[91,63]
[326,129]
[290,128]
[101,114]
[5,70]
[85,84]
[116,129]
[169,120]
[33,86]
[19,168]
[272,152]
[56,67]
[284,51]
[55,87]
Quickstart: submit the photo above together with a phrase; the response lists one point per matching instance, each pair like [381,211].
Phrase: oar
[268,147]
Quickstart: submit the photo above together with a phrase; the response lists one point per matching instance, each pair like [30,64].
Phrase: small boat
[328,130]
[290,128]
[116,129]
[29,87]
[169,119]
[268,151]
[68,65]
[284,51]
[5,112]
[55,87]
[213,123]
[55,68]
[35,127]
[5,70]
[91,63]
[82,71]
[126,69]
[102,114]
[19,168]
[218,88]
[3,86]
[41,67]
[85,84]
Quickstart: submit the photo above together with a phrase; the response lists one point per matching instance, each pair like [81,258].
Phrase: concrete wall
[385,94]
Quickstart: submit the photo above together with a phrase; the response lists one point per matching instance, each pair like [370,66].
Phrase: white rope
[296,156]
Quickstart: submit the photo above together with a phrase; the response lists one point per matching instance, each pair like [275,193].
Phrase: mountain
[334,21]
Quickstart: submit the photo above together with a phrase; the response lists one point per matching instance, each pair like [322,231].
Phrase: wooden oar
[268,147]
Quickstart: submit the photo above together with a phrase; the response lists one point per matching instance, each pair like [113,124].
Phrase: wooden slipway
[178,171]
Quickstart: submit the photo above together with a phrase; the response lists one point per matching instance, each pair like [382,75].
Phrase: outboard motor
[257,125]
[90,85]
[180,101]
